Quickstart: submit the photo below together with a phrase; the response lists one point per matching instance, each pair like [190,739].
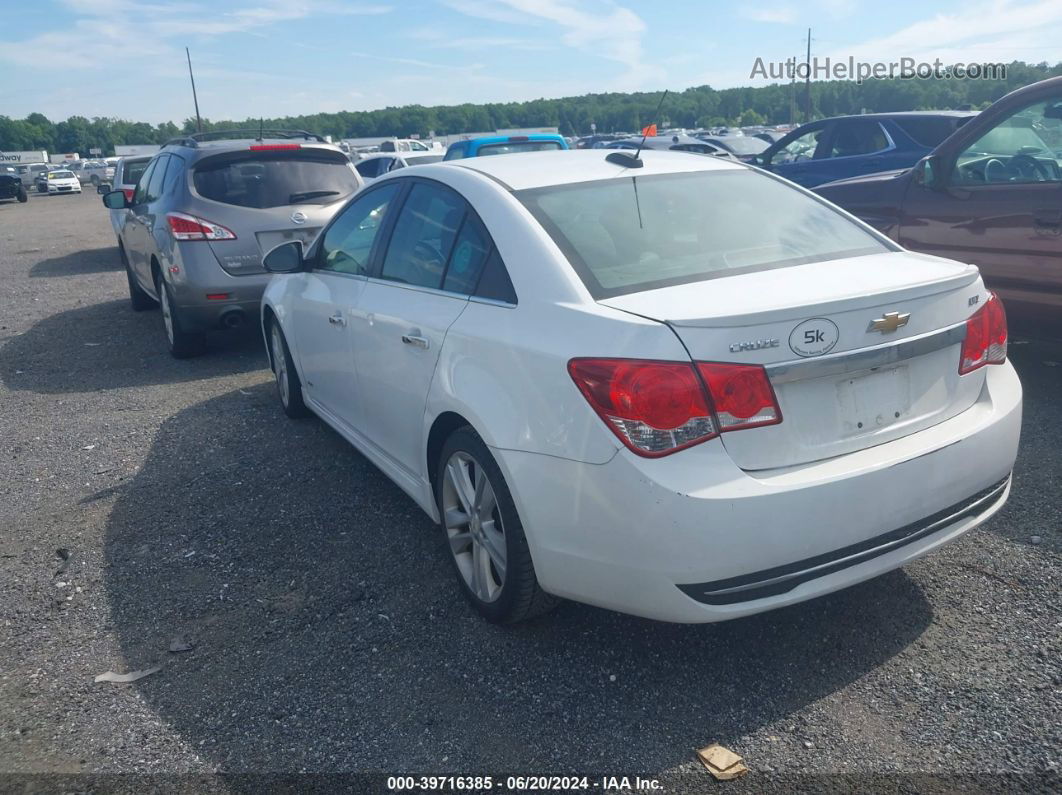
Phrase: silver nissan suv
[205,209]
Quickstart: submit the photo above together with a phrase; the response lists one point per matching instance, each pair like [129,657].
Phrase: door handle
[419,342]
[337,320]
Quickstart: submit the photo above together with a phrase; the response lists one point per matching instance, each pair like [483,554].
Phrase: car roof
[525,170]
[204,148]
[505,139]
[901,114]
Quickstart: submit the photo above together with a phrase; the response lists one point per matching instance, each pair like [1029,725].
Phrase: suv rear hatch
[860,351]
[269,194]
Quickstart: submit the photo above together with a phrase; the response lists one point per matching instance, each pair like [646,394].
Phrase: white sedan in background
[62,181]
[621,381]
[376,165]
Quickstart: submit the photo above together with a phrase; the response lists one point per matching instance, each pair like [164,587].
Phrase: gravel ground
[328,632]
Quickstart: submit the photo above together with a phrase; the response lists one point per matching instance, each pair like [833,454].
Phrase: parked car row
[11,186]
[602,372]
[990,194]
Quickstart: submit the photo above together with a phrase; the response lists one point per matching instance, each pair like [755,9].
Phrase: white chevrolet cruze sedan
[676,387]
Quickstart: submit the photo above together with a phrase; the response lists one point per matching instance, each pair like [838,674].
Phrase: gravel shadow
[329,633]
[97,260]
[106,346]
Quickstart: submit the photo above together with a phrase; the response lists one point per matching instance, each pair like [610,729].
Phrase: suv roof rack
[253,133]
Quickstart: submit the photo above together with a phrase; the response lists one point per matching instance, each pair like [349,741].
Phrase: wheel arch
[441,429]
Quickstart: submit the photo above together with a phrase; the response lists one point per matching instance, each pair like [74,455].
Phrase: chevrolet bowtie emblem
[889,322]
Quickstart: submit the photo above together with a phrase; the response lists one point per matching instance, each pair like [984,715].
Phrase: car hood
[879,176]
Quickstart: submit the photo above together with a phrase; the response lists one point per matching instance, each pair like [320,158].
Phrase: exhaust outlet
[233,318]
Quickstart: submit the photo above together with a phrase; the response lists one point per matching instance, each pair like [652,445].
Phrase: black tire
[94,179]
[138,299]
[520,597]
[289,387]
[182,344]
[42,189]
[23,197]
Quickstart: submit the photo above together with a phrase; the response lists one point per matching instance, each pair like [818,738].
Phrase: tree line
[701,106]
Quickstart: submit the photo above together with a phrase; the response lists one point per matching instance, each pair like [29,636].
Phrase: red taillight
[741,394]
[128,193]
[274,147]
[188,227]
[986,337]
[657,408]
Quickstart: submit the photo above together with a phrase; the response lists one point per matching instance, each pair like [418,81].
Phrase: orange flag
[650,130]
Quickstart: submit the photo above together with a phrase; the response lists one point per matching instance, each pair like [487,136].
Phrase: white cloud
[598,27]
[104,25]
[994,30]
[781,15]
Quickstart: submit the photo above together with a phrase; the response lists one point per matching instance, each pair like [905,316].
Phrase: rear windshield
[928,131]
[132,172]
[518,146]
[272,179]
[640,233]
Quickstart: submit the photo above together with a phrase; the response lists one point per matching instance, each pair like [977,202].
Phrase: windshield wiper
[310,194]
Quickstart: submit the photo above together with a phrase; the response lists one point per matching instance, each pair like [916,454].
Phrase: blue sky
[253,58]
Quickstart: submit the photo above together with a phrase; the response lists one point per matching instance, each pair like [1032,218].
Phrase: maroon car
[990,194]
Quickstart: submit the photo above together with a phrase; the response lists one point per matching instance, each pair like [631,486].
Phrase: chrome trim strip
[866,358]
[857,557]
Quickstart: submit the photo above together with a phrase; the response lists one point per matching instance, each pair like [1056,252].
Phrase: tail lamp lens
[657,408]
[742,395]
[188,227]
[986,337]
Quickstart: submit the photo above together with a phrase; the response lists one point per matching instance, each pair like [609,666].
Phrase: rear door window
[274,179]
[857,137]
[467,258]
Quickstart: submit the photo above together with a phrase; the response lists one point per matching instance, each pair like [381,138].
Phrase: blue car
[850,146]
[504,145]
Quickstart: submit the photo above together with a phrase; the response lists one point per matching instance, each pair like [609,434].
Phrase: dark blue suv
[849,146]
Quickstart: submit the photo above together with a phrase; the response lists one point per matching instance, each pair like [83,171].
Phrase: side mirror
[115,200]
[285,258]
[929,172]
[103,187]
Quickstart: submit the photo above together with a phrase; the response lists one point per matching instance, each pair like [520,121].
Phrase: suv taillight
[657,408]
[986,337]
[188,227]
[129,193]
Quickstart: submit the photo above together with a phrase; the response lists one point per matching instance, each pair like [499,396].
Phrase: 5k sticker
[814,337]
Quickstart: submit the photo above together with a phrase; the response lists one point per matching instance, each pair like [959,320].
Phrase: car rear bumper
[693,538]
[198,287]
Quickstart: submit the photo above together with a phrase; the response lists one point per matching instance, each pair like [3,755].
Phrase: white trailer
[68,157]
[132,150]
[14,158]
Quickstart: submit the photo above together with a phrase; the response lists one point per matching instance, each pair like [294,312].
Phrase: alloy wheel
[474,526]
[280,364]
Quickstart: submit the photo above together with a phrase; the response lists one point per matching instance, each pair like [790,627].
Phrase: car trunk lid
[860,351]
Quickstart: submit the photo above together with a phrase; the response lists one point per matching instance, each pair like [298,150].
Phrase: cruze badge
[889,322]
[753,345]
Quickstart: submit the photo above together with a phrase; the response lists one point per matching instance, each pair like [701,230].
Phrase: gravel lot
[329,634]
